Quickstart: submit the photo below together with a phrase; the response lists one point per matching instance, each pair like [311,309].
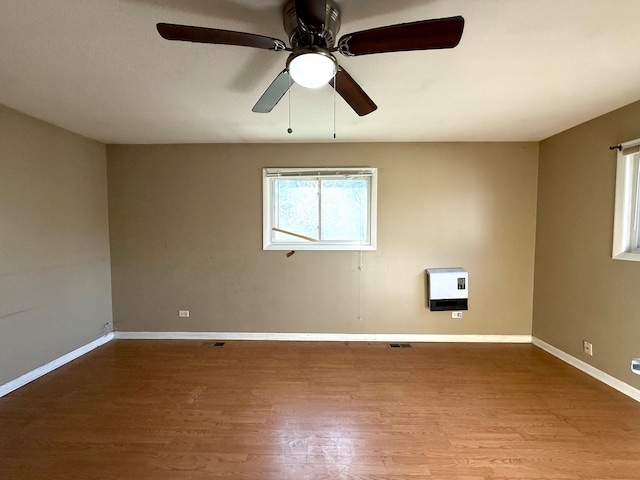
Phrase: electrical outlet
[183,313]
[456,314]
[587,347]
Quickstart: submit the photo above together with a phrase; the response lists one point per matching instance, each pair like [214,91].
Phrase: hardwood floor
[147,410]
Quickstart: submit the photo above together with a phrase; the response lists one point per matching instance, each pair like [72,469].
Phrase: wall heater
[447,289]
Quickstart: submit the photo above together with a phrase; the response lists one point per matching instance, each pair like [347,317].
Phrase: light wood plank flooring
[152,410]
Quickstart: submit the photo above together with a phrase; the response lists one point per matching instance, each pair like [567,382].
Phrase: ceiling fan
[312,27]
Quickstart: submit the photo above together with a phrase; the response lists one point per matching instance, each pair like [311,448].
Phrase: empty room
[306,239]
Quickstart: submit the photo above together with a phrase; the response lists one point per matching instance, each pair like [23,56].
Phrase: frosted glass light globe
[312,69]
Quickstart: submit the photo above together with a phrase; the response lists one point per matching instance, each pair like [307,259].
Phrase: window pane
[331,209]
[344,210]
[296,209]
[626,222]
[635,205]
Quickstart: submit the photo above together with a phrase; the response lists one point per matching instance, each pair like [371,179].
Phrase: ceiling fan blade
[311,14]
[352,93]
[423,35]
[188,33]
[273,93]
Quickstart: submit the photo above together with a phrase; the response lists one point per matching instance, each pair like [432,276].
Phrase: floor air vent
[213,344]
[399,345]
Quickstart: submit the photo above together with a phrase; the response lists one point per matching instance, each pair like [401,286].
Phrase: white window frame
[626,225]
[269,208]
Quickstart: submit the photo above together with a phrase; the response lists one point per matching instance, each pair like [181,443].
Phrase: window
[626,238]
[319,208]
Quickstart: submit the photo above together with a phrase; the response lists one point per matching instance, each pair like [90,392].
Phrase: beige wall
[186,220]
[580,292]
[55,293]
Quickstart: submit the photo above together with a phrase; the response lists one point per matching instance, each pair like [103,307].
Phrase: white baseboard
[51,366]
[589,369]
[325,337]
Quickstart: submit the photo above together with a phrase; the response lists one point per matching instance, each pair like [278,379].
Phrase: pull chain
[289,130]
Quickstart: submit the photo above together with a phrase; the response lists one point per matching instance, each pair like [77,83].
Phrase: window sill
[628,256]
[315,246]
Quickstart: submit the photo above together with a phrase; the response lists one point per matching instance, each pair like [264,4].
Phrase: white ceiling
[524,70]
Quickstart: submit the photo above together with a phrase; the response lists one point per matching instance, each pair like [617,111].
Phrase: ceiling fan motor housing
[301,38]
